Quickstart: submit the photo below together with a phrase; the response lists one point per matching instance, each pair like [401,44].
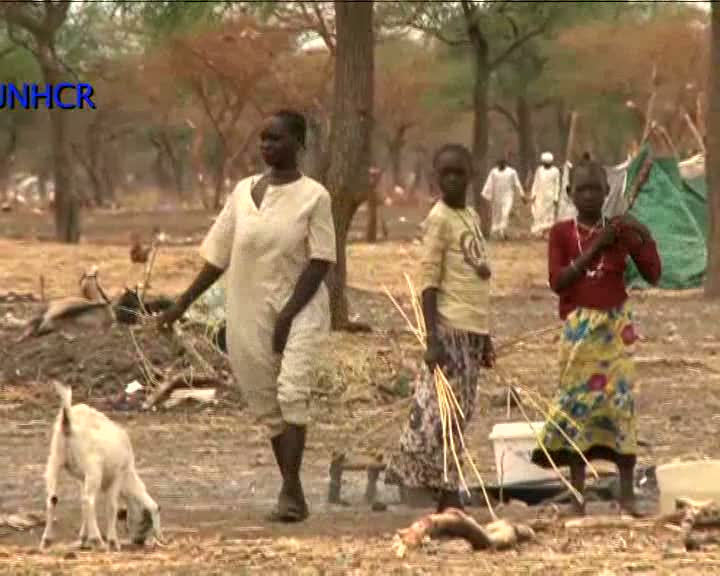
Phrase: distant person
[455,285]
[500,188]
[545,195]
[587,258]
[275,241]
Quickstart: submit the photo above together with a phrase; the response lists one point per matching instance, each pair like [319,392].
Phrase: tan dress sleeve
[216,248]
[321,233]
[434,246]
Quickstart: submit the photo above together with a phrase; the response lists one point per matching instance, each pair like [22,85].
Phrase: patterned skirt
[595,406]
[419,462]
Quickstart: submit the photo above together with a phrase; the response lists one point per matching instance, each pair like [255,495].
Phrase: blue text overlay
[66,96]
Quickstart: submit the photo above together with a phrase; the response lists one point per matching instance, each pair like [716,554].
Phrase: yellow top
[454,247]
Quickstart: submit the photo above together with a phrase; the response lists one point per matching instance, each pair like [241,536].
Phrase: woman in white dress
[275,241]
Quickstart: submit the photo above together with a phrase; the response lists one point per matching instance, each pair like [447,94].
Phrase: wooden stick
[148,271]
[526,336]
[567,438]
[640,180]
[695,132]
[569,486]
[42,288]
[571,136]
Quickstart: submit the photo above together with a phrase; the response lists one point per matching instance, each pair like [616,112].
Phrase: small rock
[70,556]
[379,507]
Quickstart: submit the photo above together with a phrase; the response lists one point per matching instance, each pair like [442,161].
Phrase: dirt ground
[212,473]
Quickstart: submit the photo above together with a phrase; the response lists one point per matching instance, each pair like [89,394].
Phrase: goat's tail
[65,393]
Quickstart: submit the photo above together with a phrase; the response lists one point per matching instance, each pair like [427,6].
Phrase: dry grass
[516,267]
[678,405]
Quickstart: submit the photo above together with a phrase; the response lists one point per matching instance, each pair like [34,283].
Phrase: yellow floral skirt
[595,406]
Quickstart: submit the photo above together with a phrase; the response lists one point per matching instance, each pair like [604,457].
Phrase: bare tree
[35,26]
[712,278]
[493,31]
[350,137]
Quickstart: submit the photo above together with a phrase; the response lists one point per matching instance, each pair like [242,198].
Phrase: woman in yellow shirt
[455,299]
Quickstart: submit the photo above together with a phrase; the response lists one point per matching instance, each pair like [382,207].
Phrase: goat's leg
[112,496]
[51,478]
[91,490]
[82,535]
[49,534]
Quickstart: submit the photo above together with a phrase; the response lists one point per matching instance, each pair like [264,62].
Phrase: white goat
[96,451]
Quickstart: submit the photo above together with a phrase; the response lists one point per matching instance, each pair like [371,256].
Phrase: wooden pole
[571,136]
[695,132]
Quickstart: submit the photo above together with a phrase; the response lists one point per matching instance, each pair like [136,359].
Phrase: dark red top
[606,289]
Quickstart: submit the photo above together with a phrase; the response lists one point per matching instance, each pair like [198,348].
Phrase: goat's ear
[122,515]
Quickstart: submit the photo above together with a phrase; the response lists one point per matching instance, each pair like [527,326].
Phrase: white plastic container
[698,480]
[513,443]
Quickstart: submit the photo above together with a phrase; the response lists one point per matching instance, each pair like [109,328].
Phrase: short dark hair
[455,149]
[594,168]
[296,123]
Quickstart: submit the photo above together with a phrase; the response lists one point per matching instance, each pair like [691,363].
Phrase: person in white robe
[545,195]
[500,188]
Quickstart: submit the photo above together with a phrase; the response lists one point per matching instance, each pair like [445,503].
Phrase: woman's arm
[563,276]
[216,251]
[642,248]
[435,353]
[305,288]
[205,278]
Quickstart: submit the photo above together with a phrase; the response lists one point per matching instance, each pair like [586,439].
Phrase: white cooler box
[513,443]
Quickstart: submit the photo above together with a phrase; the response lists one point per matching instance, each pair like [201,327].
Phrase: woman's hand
[607,237]
[483,270]
[281,332]
[435,354]
[628,223]
[167,319]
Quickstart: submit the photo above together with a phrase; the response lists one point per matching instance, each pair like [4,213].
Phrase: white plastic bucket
[697,480]
[513,443]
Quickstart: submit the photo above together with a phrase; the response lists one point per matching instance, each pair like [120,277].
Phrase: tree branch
[322,28]
[15,14]
[55,14]
[7,51]
[415,21]
[517,43]
[500,109]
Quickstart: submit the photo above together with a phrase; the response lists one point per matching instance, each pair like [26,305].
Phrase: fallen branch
[498,535]
[600,522]
[164,389]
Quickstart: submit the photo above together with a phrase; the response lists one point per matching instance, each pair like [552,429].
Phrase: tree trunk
[314,162]
[43,176]
[109,172]
[480,128]
[175,162]
[526,142]
[712,164]
[7,160]
[67,205]
[419,171]
[219,178]
[372,215]
[350,142]
[395,150]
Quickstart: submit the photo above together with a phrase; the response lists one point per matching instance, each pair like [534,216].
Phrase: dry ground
[213,474]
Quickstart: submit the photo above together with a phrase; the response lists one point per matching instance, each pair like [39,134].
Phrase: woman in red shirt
[595,409]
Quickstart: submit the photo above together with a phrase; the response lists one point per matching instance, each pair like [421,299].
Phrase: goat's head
[143,521]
